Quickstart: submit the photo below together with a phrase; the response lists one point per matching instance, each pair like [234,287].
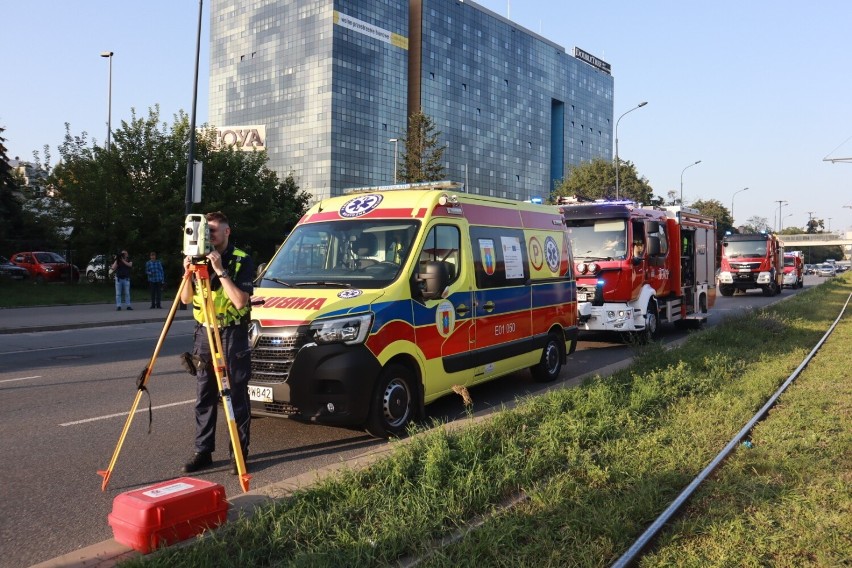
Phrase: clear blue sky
[759,91]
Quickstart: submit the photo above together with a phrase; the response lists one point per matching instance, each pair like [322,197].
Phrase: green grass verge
[29,294]
[594,466]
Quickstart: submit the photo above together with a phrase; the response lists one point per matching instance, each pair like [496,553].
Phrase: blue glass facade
[333,82]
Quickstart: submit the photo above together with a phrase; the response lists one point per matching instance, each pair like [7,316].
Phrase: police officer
[231,273]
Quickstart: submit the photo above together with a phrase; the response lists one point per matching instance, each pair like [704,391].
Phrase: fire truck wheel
[726,290]
[551,360]
[652,323]
[393,405]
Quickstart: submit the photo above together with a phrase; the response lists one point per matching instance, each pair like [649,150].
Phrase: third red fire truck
[640,266]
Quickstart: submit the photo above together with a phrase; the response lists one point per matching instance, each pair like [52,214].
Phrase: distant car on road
[46,266]
[826,270]
[9,271]
[96,270]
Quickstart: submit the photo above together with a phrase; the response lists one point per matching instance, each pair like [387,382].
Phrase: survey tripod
[200,268]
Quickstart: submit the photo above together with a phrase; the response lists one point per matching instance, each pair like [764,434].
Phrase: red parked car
[46,267]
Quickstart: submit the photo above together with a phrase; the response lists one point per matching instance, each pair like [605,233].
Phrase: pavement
[55,318]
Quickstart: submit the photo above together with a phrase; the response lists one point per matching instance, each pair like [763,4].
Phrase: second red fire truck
[754,260]
[640,266]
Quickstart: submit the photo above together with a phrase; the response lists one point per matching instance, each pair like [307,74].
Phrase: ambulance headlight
[350,330]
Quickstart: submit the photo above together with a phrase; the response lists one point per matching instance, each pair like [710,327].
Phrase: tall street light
[695,163]
[732,202]
[190,158]
[781,203]
[640,105]
[395,156]
[108,55]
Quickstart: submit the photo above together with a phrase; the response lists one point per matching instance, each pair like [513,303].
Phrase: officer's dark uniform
[233,329]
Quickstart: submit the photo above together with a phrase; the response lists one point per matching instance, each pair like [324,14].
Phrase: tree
[714,208]
[421,160]
[10,207]
[596,180]
[755,224]
[132,195]
[815,226]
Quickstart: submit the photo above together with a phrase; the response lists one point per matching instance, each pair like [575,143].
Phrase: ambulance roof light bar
[445,184]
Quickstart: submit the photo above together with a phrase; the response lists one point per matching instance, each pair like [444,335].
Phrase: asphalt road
[65,395]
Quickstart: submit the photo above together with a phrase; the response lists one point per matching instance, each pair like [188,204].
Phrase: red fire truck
[640,266]
[751,261]
[794,269]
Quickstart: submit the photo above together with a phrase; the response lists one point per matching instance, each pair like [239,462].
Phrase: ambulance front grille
[272,356]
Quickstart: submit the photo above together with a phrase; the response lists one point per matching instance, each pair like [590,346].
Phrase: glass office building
[330,84]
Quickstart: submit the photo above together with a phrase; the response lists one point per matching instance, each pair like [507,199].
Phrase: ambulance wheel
[393,404]
[551,360]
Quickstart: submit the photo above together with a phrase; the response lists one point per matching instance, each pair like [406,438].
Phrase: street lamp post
[781,203]
[395,156]
[782,222]
[190,157]
[640,105]
[732,202]
[695,163]
[108,55]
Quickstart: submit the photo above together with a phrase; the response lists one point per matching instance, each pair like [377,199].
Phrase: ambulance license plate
[581,297]
[261,394]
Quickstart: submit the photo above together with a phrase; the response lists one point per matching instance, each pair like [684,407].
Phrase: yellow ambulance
[383,299]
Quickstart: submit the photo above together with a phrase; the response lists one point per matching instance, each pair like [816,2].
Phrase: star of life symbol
[352,293]
[551,254]
[361,205]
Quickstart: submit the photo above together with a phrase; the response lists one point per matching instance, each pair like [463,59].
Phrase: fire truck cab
[751,261]
[794,269]
[640,266]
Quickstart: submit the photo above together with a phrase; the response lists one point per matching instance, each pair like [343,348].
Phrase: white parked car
[97,269]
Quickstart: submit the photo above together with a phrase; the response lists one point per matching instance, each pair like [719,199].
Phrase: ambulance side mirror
[432,279]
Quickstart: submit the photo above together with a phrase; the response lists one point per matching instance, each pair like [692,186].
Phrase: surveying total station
[196,246]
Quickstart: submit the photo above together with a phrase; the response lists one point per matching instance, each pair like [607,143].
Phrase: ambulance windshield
[598,239]
[357,253]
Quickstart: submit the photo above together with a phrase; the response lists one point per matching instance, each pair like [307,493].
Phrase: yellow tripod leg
[220,368]
[142,381]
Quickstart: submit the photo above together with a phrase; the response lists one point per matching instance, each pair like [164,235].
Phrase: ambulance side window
[499,256]
[443,244]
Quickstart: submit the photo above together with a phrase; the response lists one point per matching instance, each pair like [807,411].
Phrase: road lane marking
[21,379]
[108,416]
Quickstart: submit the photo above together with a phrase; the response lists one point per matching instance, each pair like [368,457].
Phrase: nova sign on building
[244,138]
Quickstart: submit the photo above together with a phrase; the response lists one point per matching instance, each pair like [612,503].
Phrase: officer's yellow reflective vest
[226,313]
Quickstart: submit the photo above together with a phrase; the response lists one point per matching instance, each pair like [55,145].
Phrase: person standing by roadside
[121,266]
[231,274]
[154,270]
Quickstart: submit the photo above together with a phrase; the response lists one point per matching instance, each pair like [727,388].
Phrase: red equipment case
[162,514]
